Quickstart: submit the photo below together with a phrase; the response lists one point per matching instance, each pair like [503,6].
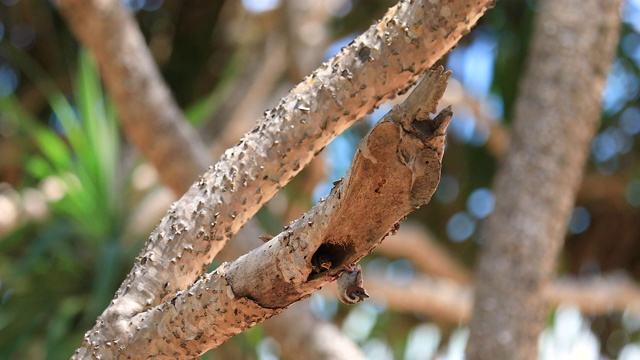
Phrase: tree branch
[303,336]
[395,170]
[298,331]
[148,113]
[137,103]
[435,297]
[383,61]
[445,300]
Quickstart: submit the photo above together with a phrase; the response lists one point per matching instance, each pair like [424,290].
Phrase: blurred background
[77,201]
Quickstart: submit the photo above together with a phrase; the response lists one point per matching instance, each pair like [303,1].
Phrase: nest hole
[329,259]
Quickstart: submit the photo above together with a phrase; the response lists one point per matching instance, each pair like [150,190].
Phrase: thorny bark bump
[299,332]
[316,330]
[557,114]
[379,64]
[395,170]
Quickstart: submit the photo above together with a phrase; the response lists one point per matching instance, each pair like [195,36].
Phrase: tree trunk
[557,114]
[143,100]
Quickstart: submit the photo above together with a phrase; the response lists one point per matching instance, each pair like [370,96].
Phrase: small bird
[320,263]
[350,290]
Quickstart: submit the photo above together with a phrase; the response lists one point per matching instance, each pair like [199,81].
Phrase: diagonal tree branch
[298,331]
[136,104]
[143,100]
[417,244]
[395,171]
[383,61]
[376,66]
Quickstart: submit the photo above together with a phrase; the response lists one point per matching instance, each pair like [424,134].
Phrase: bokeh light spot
[8,80]
[630,120]
[580,220]
[22,36]
[481,203]
[460,226]
[258,6]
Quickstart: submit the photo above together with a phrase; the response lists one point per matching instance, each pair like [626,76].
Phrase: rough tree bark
[138,103]
[557,114]
[396,170]
[383,61]
[299,332]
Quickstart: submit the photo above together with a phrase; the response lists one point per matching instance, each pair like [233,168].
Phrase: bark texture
[339,347]
[395,170]
[556,116]
[141,96]
[299,332]
[379,64]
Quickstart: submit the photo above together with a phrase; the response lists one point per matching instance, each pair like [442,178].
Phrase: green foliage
[60,274]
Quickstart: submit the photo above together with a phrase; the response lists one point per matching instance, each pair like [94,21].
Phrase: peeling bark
[395,171]
[379,64]
[557,114]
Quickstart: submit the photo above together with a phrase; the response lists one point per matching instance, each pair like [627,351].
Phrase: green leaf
[53,148]
[38,167]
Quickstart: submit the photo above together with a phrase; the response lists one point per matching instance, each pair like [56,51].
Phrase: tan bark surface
[557,114]
[383,61]
[395,171]
[300,334]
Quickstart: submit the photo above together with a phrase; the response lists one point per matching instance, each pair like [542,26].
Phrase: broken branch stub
[379,64]
[395,170]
